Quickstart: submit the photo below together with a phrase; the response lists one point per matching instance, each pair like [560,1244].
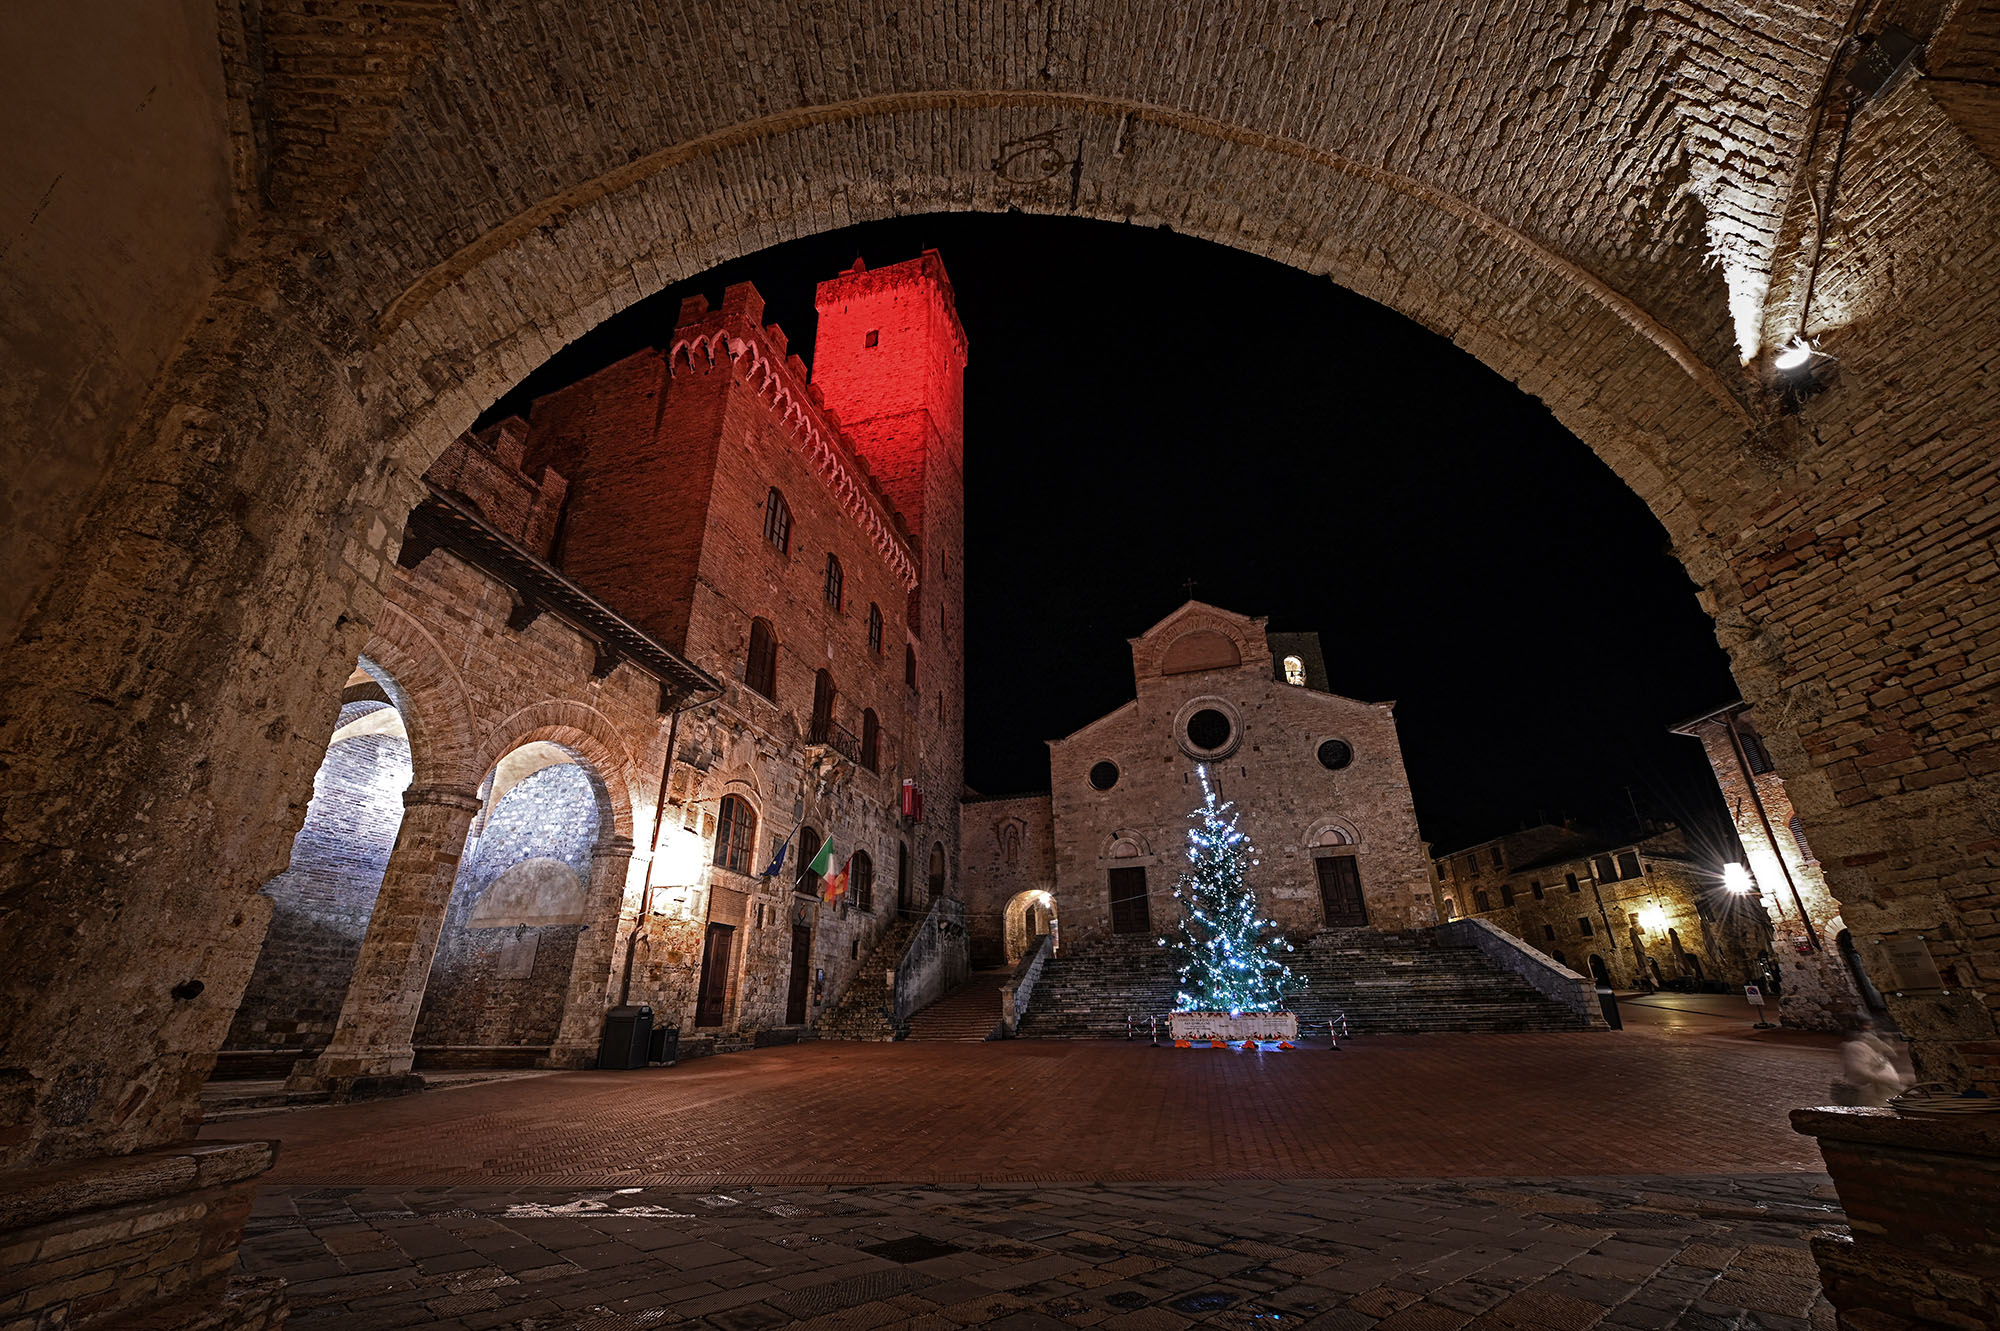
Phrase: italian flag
[833,886]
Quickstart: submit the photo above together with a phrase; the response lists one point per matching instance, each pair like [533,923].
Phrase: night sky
[1143,408]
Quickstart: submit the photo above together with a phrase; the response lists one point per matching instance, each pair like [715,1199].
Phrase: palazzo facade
[650,647]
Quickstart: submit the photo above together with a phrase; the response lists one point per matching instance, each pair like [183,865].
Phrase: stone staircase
[863,1011]
[1086,994]
[1386,983]
[966,1015]
[1412,983]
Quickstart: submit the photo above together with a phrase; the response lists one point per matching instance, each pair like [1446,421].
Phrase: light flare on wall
[1737,879]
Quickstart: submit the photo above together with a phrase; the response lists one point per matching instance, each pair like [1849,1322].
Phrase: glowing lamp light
[679,861]
[1653,918]
[1793,354]
[1737,879]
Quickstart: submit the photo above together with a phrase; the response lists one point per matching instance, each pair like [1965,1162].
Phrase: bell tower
[889,361]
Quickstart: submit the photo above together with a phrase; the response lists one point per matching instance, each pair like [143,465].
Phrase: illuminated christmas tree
[1231,959]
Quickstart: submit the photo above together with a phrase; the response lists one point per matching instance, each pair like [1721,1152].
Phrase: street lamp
[1737,879]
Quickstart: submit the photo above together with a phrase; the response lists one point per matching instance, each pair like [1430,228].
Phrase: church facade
[1318,778]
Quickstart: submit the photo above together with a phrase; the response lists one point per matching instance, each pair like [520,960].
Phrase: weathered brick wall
[1008,848]
[1290,804]
[321,903]
[505,986]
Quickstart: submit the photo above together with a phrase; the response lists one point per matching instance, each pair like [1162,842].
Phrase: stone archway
[1027,917]
[352,339]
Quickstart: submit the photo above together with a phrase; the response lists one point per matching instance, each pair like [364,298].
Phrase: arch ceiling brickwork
[1607,204]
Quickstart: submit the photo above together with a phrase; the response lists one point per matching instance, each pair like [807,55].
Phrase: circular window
[1104,775]
[1208,729]
[1335,754]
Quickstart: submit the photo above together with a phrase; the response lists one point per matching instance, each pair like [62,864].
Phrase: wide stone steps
[863,1011]
[1384,983]
[966,1015]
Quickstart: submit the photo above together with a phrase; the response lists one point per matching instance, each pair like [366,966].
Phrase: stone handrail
[935,961]
[1556,981]
[1020,986]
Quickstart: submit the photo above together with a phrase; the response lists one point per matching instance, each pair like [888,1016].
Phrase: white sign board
[1754,994]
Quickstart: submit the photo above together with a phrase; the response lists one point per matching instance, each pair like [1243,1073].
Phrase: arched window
[835,582]
[874,628]
[760,668]
[910,664]
[735,834]
[861,880]
[1295,672]
[822,718]
[778,522]
[1480,901]
[1506,894]
[1450,909]
[871,740]
[937,870]
[806,881]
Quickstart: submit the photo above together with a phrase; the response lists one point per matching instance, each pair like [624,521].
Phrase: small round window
[1335,754]
[1208,729]
[1104,775]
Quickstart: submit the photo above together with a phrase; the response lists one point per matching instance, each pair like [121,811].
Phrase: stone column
[372,1037]
[617,888]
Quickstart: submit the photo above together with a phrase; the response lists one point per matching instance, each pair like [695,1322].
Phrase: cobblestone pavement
[1663,1101]
[1702,1253]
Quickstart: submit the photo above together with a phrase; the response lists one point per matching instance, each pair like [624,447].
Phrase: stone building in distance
[1635,910]
[1318,778]
[696,608]
[1825,986]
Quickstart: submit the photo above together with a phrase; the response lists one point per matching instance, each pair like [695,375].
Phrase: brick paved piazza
[1641,1179]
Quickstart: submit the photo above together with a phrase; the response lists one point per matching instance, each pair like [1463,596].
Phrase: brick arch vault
[1571,192]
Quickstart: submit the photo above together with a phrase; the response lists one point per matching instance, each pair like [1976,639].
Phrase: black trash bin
[627,1033]
[666,1045]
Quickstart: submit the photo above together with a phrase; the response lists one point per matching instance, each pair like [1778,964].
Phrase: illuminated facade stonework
[1824,974]
[1638,911]
[1318,778]
[708,495]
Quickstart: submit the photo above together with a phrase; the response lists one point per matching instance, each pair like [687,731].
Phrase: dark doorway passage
[795,993]
[1340,892]
[1128,901]
[712,998]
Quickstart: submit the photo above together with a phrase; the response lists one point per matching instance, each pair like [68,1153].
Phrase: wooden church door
[1128,901]
[1340,891]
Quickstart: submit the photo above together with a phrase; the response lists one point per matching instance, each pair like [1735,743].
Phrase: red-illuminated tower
[889,359]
